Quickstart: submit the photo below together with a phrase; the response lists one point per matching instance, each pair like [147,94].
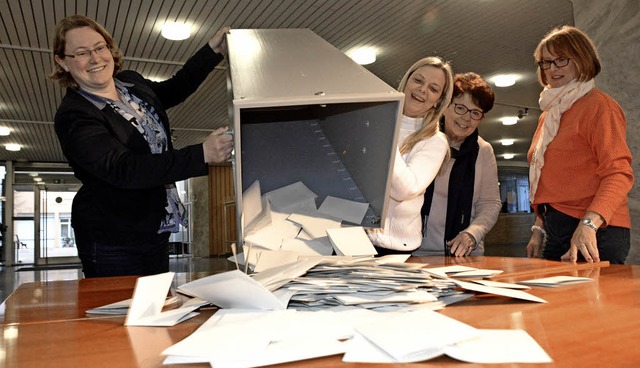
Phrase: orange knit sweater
[587,166]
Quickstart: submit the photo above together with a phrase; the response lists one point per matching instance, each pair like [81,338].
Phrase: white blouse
[412,173]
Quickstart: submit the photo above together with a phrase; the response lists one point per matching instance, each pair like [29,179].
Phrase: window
[514,189]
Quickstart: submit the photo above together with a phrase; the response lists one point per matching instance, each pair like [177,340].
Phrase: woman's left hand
[462,245]
[217,42]
[583,241]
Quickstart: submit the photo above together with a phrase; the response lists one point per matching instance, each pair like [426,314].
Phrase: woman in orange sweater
[580,165]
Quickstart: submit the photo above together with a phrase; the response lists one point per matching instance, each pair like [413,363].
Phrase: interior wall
[614,27]
[199,190]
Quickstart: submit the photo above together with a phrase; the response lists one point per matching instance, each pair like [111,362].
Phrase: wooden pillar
[222,214]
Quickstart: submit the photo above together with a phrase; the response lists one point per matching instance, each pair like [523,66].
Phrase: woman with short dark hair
[463,202]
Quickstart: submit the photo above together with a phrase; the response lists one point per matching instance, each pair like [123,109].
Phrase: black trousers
[101,258]
[613,242]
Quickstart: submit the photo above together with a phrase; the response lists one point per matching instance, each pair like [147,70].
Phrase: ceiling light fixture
[508,156]
[505,80]
[363,56]
[507,142]
[12,147]
[509,120]
[4,131]
[176,31]
[523,113]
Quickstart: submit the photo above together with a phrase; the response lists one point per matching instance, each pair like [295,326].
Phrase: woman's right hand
[217,42]
[218,146]
[534,247]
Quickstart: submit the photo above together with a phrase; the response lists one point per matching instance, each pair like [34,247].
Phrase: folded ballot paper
[149,300]
[232,289]
[555,281]
[287,221]
[122,307]
[273,337]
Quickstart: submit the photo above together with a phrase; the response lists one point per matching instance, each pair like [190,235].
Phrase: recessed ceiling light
[5,131]
[37,178]
[509,120]
[12,147]
[176,31]
[507,142]
[508,156]
[505,80]
[363,56]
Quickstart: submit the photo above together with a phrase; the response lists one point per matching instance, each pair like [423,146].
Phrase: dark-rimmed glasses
[462,109]
[559,63]
[84,55]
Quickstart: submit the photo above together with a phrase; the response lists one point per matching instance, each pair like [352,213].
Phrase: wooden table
[593,324]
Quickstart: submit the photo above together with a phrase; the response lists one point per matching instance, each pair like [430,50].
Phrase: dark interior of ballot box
[341,150]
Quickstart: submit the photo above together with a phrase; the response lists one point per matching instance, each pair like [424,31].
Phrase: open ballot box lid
[303,111]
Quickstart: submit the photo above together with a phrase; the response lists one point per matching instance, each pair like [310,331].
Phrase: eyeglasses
[462,109]
[84,55]
[559,63]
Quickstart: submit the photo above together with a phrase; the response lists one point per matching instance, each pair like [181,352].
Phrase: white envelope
[233,289]
[555,281]
[148,300]
[344,209]
[351,241]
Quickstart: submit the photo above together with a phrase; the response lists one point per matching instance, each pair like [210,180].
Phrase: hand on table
[583,241]
[462,245]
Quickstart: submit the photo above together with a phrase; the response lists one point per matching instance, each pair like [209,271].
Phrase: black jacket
[122,198]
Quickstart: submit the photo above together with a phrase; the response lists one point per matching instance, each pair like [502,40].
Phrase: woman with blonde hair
[427,87]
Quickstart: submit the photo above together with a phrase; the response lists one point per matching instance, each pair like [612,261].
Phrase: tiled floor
[184,267]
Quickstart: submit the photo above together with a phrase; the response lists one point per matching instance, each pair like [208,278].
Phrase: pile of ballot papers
[310,286]
[372,284]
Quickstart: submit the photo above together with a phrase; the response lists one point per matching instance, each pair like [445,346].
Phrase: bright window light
[5,131]
[509,120]
[508,156]
[176,31]
[12,147]
[505,80]
[363,56]
[507,142]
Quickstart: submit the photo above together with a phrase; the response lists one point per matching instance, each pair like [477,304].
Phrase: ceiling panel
[485,36]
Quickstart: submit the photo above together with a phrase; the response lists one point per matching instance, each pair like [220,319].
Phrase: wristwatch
[587,222]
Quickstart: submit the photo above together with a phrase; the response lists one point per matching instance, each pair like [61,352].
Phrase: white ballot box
[303,111]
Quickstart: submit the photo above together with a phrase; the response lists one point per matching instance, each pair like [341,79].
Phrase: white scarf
[555,101]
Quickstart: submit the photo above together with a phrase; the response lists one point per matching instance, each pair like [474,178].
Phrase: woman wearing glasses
[427,88]
[114,131]
[580,165]
[463,202]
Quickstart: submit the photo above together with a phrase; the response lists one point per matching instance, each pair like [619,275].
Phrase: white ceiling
[484,36]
